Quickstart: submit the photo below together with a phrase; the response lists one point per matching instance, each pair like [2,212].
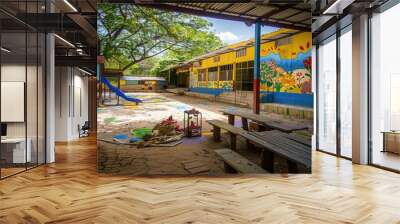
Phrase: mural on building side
[285,67]
[289,73]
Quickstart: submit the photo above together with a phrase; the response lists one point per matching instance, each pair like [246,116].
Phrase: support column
[360,90]
[256,80]
[169,77]
[218,75]
[119,87]
[50,98]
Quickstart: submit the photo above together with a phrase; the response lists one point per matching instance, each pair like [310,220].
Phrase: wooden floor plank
[71,191]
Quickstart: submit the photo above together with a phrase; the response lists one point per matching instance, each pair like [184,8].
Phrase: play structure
[119,92]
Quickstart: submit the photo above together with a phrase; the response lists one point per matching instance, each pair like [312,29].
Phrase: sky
[233,31]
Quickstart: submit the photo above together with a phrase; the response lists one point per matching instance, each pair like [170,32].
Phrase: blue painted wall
[211,91]
[294,99]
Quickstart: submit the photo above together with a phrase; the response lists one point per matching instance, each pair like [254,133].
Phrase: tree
[130,34]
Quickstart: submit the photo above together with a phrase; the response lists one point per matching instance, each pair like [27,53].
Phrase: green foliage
[130,35]
[268,75]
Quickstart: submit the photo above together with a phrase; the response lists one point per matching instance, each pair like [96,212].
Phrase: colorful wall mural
[291,75]
[225,84]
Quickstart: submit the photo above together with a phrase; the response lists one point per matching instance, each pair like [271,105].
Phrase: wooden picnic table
[267,122]
[278,143]
[295,149]
[291,136]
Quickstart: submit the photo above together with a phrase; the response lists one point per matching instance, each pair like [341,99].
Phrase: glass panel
[327,96]
[23,83]
[385,84]
[13,86]
[41,99]
[346,93]
[31,98]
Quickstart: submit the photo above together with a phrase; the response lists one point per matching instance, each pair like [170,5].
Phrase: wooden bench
[294,152]
[272,142]
[233,131]
[292,136]
[235,163]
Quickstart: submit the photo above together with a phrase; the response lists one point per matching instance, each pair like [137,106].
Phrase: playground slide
[119,92]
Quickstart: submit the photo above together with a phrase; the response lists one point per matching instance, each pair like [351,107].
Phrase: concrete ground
[130,160]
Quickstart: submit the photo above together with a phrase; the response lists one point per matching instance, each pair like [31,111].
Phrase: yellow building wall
[279,76]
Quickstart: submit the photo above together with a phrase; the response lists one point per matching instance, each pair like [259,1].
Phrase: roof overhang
[291,14]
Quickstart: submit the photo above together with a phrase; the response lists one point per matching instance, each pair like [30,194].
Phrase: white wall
[71,102]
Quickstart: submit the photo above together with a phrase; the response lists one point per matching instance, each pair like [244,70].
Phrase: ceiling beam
[82,61]
[90,31]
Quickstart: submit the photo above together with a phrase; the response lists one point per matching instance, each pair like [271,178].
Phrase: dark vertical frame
[338,95]
[37,90]
[26,86]
[369,100]
[316,96]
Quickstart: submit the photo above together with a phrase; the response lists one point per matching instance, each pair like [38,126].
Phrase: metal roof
[291,14]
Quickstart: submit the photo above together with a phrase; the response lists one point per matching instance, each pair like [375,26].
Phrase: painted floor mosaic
[155,107]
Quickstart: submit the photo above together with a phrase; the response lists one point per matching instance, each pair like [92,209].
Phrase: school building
[227,73]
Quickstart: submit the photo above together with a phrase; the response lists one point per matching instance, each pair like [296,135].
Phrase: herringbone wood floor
[70,191]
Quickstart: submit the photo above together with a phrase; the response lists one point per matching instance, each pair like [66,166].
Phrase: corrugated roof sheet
[277,13]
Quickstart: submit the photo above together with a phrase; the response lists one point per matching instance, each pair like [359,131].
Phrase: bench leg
[245,124]
[249,144]
[229,169]
[292,167]
[217,133]
[231,119]
[263,128]
[233,141]
[267,161]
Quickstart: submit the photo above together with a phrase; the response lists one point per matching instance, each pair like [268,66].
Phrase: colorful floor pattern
[155,108]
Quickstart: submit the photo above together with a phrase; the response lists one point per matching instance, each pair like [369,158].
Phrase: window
[385,89]
[335,107]
[241,52]
[346,93]
[283,41]
[226,73]
[244,76]
[213,74]
[327,96]
[216,58]
[202,75]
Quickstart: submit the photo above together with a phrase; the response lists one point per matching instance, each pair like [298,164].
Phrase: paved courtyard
[130,160]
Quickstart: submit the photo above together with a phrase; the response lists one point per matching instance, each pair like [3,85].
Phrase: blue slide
[119,92]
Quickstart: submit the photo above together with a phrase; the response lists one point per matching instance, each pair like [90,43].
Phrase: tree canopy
[131,35]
